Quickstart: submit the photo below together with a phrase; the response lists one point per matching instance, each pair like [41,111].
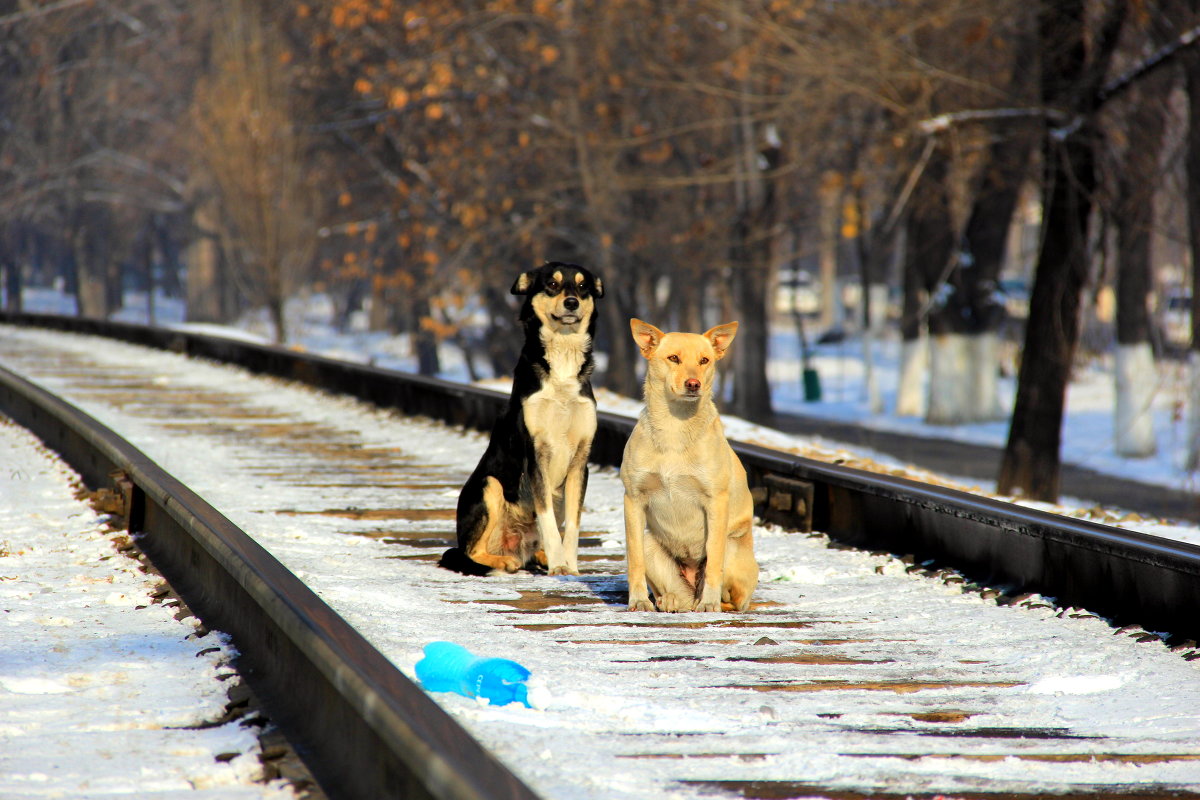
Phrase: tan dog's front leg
[716,518]
[635,555]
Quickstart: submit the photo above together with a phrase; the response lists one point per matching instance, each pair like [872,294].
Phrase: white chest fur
[565,353]
[557,415]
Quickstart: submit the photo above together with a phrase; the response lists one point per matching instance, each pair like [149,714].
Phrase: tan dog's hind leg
[487,549]
[741,571]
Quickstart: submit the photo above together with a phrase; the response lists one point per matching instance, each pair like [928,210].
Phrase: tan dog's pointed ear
[522,283]
[721,337]
[646,335]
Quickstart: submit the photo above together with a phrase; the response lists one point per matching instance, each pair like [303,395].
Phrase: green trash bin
[812,385]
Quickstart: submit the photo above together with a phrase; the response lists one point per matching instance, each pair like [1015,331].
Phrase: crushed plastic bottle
[448,667]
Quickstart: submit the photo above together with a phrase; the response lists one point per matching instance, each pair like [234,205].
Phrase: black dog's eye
[673,359]
[551,286]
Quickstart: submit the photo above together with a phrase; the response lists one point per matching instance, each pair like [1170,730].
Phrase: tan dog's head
[683,363]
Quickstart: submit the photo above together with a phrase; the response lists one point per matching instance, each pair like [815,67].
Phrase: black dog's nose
[571,303]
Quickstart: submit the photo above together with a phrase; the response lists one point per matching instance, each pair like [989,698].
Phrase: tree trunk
[985,246]
[277,307]
[601,210]
[1032,457]
[10,265]
[91,274]
[424,340]
[1191,61]
[929,251]
[205,293]
[751,391]
[751,257]
[1135,370]
[829,199]
[914,341]
[618,305]
[914,366]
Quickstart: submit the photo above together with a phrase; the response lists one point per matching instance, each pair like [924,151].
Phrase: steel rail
[1125,576]
[363,729]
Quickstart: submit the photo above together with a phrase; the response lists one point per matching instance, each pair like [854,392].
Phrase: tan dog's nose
[692,384]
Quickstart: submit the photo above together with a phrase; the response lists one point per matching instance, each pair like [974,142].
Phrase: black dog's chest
[559,411]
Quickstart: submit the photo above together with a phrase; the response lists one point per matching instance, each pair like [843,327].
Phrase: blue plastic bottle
[448,667]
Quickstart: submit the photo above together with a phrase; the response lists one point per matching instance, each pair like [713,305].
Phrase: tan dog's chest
[676,487]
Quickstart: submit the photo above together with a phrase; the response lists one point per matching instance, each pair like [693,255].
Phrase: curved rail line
[366,731]
[1129,577]
[361,726]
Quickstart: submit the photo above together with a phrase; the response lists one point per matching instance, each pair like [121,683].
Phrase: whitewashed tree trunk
[871,334]
[914,362]
[1136,379]
[949,379]
[1192,457]
[1133,425]
[964,379]
[984,377]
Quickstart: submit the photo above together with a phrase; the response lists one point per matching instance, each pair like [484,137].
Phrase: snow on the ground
[102,691]
[615,717]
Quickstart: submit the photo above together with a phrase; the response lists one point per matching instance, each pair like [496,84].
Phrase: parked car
[1176,318]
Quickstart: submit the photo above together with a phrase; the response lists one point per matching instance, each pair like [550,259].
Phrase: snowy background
[1087,429]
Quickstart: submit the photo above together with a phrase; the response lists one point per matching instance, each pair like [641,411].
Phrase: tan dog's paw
[673,603]
[642,604]
[709,600]
[563,569]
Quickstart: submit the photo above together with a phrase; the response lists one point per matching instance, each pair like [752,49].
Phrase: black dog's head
[561,296]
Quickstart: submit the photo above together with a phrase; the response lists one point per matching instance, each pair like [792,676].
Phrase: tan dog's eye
[704,360]
[673,359]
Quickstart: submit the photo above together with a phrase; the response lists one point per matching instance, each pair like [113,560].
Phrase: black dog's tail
[456,560]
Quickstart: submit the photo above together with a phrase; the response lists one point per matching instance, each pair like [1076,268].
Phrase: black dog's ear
[523,283]
[599,285]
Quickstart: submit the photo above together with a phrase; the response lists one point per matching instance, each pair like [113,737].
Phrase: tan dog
[684,483]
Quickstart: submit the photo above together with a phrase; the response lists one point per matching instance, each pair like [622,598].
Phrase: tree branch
[1150,64]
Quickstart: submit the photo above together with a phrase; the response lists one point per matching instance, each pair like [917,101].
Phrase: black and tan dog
[524,499]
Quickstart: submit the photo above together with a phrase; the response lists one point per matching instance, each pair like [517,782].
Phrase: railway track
[857,673]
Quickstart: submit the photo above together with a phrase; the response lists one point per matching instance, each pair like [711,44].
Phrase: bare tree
[249,142]
[92,95]
[971,316]
[1072,75]
[1134,219]
[1191,70]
